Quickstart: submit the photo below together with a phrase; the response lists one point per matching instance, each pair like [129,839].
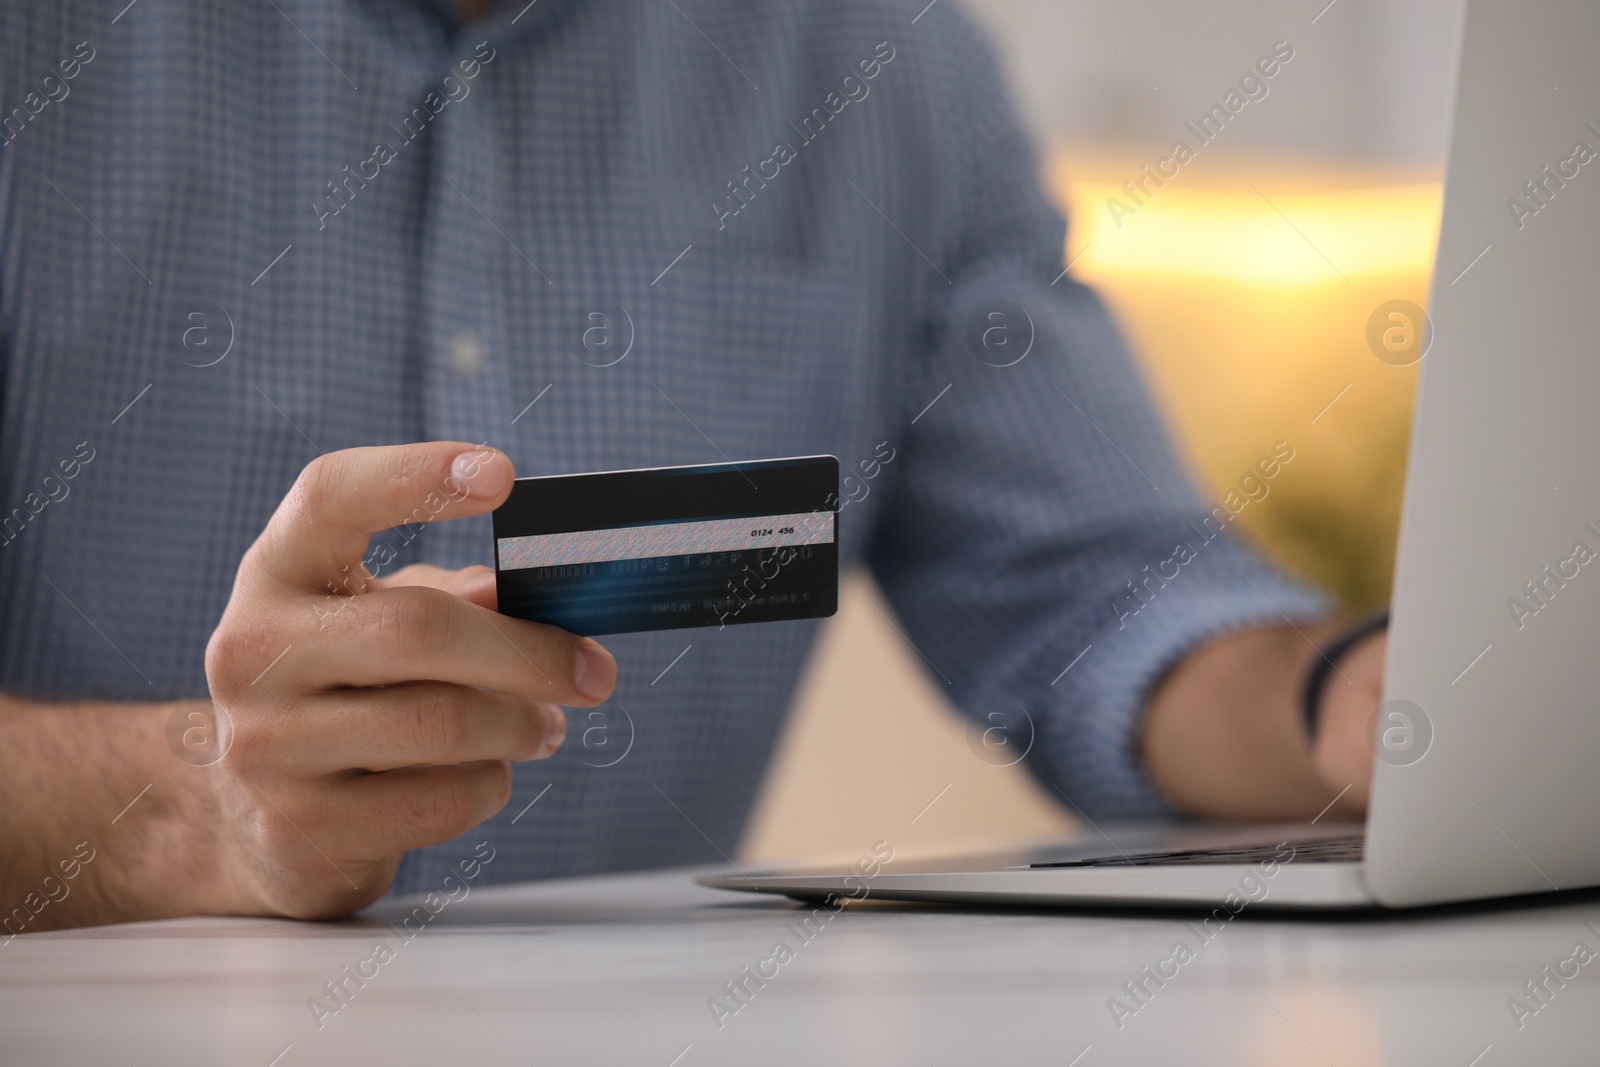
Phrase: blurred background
[1244,286]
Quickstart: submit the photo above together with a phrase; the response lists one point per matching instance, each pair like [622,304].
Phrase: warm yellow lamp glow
[1246,294]
[1238,234]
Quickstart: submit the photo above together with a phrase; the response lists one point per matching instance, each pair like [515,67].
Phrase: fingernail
[482,473]
[556,733]
[594,672]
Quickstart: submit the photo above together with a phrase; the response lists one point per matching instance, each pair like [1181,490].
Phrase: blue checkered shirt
[234,235]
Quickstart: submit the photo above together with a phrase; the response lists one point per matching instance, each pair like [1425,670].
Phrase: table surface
[628,969]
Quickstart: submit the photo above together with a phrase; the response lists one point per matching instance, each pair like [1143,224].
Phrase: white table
[618,970]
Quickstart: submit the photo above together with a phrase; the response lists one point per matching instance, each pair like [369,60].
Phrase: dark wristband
[1327,658]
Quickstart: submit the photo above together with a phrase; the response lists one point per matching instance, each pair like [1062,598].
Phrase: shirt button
[466,354]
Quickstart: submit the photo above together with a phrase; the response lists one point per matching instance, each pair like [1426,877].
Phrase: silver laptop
[1488,776]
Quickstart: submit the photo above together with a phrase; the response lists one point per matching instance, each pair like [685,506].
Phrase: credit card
[671,547]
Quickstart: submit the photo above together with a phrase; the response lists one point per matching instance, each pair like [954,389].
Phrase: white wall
[1371,80]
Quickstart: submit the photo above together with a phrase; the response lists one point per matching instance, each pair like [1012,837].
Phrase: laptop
[1488,741]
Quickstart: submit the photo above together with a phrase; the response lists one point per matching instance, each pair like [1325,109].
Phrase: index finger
[321,529]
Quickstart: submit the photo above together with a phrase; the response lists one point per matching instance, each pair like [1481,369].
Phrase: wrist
[202,872]
[1221,735]
[1326,664]
[100,782]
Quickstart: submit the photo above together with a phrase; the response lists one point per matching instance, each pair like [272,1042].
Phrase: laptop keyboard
[1344,849]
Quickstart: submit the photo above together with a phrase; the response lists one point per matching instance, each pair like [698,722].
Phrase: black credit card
[671,547]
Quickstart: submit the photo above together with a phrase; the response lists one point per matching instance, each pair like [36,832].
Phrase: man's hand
[1224,733]
[369,717]
[1344,748]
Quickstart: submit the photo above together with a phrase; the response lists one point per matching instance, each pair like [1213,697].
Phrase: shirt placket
[465,385]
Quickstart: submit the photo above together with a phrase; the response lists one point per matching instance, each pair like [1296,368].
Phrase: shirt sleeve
[1043,547]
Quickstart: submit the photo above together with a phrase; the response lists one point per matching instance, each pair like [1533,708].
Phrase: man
[248,251]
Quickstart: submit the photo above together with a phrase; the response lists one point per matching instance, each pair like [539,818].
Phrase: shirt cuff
[1107,688]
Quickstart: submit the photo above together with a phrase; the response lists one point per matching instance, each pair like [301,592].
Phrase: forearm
[99,821]
[1223,734]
